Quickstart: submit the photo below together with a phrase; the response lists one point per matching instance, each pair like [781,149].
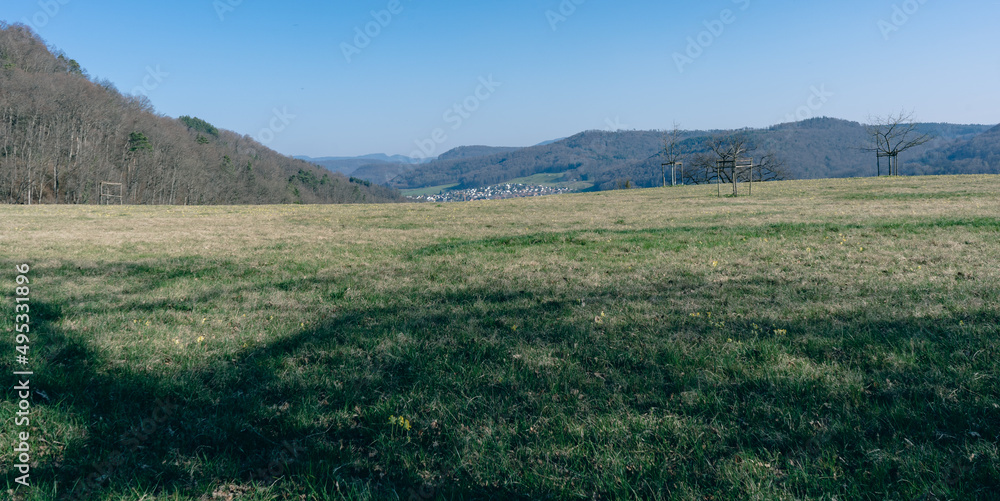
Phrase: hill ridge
[821,147]
[62,135]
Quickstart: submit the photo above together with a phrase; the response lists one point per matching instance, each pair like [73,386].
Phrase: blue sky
[299,77]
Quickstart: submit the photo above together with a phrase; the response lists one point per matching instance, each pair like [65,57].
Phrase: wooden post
[736,193]
[718,177]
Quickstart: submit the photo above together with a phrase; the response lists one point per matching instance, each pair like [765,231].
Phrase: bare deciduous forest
[62,135]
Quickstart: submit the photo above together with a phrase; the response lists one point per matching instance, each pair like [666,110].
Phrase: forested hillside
[385,172]
[349,165]
[979,155]
[810,149]
[62,135]
[381,172]
[830,147]
[473,152]
[580,157]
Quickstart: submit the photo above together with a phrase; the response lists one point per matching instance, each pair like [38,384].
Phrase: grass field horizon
[824,339]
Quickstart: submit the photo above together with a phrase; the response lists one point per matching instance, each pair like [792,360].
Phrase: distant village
[496,192]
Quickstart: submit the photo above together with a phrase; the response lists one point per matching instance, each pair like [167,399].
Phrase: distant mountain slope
[979,155]
[377,165]
[381,173]
[473,152]
[829,147]
[62,136]
[580,156]
[811,149]
[815,148]
[385,173]
[380,168]
[550,141]
[345,166]
[372,158]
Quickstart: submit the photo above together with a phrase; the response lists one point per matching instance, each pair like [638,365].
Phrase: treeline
[62,135]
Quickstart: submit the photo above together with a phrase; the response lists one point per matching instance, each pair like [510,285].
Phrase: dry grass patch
[823,339]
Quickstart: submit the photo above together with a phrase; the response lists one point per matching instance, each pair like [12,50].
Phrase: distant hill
[381,168]
[810,149]
[579,156]
[829,147]
[978,155]
[345,166]
[381,173]
[543,143]
[63,135]
[473,152]
[371,158]
[349,165]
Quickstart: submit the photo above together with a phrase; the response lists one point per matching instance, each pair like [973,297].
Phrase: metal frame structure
[673,172]
[107,195]
[893,157]
[735,165]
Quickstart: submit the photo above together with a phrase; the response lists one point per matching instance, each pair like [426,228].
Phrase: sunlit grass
[822,339]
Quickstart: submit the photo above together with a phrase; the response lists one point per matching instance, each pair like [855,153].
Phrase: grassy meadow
[833,339]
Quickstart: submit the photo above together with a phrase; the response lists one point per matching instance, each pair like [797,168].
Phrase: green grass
[550,180]
[806,343]
[430,190]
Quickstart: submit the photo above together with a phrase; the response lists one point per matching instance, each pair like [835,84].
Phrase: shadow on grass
[309,411]
[230,419]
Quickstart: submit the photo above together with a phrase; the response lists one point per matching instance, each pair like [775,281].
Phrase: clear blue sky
[562,66]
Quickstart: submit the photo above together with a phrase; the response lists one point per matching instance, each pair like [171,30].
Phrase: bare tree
[63,135]
[671,155]
[890,136]
[730,148]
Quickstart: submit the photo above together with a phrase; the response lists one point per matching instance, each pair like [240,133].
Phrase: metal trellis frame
[111,192]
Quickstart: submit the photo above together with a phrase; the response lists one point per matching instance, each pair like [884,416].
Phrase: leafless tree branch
[891,135]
